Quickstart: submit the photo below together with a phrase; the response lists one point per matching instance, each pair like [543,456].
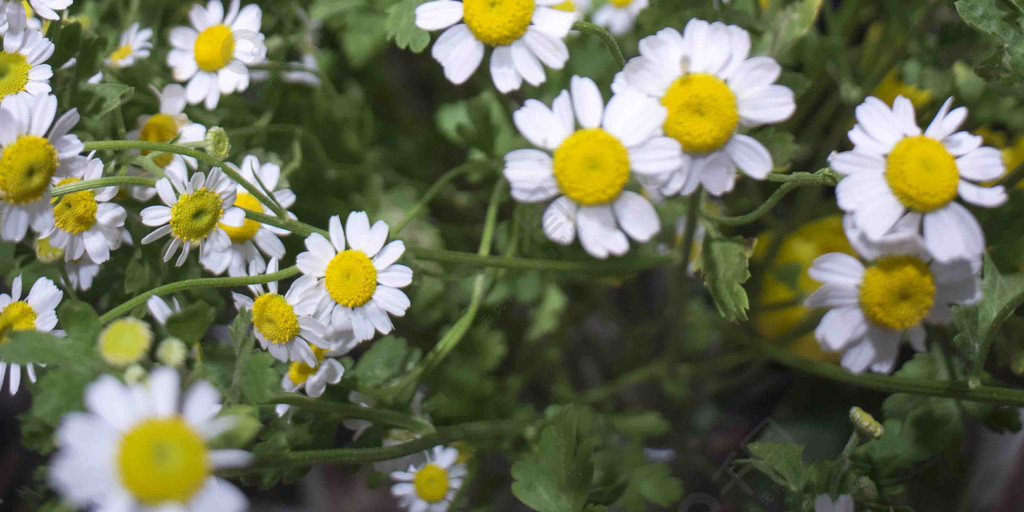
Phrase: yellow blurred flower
[1013,154]
[891,87]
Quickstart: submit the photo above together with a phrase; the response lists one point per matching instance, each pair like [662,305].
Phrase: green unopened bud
[866,424]
[134,374]
[218,144]
[171,352]
[866,489]
[47,253]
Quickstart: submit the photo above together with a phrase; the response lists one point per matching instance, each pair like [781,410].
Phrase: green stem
[377,416]
[844,462]
[113,181]
[429,196]
[590,266]
[297,227]
[824,177]
[606,37]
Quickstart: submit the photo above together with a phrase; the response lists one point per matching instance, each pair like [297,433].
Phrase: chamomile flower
[33,150]
[586,163]
[47,9]
[23,60]
[81,273]
[86,223]
[895,171]
[213,54]
[357,288]
[313,379]
[252,238]
[144,446]
[526,36]
[35,312]
[899,288]
[160,310]
[195,211]
[432,486]
[284,324]
[134,45]
[13,16]
[618,16]
[711,90]
[170,124]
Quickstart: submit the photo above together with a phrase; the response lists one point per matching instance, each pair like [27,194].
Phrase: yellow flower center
[922,173]
[702,112]
[591,166]
[121,53]
[620,3]
[897,292]
[163,460]
[299,372]
[26,168]
[566,6]
[74,213]
[125,341]
[351,278]
[249,227]
[215,47]
[431,483]
[196,215]
[13,73]
[274,318]
[159,128]
[16,316]
[498,22]
[46,252]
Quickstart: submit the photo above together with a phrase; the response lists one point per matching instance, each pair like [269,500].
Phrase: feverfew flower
[588,167]
[618,16]
[213,54]
[47,9]
[432,486]
[524,33]
[134,45]
[170,124]
[144,446]
[86,223]
[36,312]
[23,61]
[711,90]
[313,379]
[896,172]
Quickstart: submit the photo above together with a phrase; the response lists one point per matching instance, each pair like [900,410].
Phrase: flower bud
[171,352]
[218,144]
[865,423]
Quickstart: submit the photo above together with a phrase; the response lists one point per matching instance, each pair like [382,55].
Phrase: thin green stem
[606,37]
[824,177]
[113,181]
[429,196]
[630,265]
[297,227]
[844,462]
[377,416]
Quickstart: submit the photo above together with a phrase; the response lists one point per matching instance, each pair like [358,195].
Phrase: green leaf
[98,100]
[556,475]
[782,462]
[546,317]
[191,323]
[400,26]
[641,425]
[978,324]
[788,25]
[725,267]
[66,38]
[387,358]
[261,379]
[55,394]
[80,321]
[1003,20]
[656,484]
[247,425]
[38,347]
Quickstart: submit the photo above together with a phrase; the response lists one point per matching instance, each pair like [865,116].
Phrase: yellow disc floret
[922,173]
[215,47]
[121,53]
[196,215]
[26,168]
[702,112]
[897,292]
[159,128]
[351,278]
[46,252]
[431,483]
[163,460]
[299,372]
[566,6]
[275,318]
[620,3]
[125,341]
[249,227]
[498,22]
[14,71]
[16,316]
[74,213]
[591,166]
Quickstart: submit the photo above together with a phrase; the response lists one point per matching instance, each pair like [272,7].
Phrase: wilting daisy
[213,54]
[33,150]
[711,90]
[47,9]
[36,312]
[195,210]
[896,171]
[618,16]
[526,36]
[357,287]
[160,310]
[899,288]
[23,60]
[432,486]
[85,222]
[587,167]
[144,446]
[312,379]
[134,45]
[252,238]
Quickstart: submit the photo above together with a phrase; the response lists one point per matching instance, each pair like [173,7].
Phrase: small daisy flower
[586,163]
[134,45]
[872,305]
[144,446]
[618,16]
[195,211]
[47,9]
[170,124]
[526,36]
[711,90]
[252,238]
[33,150]
[212,55]
[85,222]
[312,379]
[896,171]
[23,61]
[36,312]
[358,287]
[432,486]
[160,310]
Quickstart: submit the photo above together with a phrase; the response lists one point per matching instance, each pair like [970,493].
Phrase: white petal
[750,156]
[636,216]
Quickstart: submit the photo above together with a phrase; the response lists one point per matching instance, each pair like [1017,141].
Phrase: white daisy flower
[160,310]
[36,312]
[213,54]
[711,89]
[146,447]
[47,9]
[33,150]
[252,238]
[170,124]
[358,287]
[586,163]
[312,379]
[195,211]
[618,16]
[432,486]
[896,171]
[134,45]
[23,59]
[526,36]
[823,503]
[872,305]
[86,223]
[13,17]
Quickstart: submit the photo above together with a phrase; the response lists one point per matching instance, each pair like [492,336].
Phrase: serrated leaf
[386,359]
[261,380]
[556,475]
[79,320]
[191,323]
[978,324]
[97,100]
[39,347]
[725,264]
[246,426]
[1001,19]
[655,483]
[782,462]
[400,26]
